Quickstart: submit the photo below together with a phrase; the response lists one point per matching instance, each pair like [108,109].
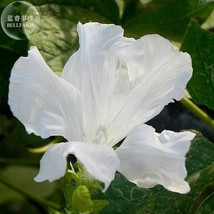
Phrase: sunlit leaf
[105,8]
[57,36]
[209,23]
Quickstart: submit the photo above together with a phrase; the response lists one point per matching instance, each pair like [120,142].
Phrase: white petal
[124,82]
[53,163]
[46,104]
[94,71]
[101,162]
[157,75]
[148,158]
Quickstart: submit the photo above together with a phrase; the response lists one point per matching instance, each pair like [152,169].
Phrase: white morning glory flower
[108,89]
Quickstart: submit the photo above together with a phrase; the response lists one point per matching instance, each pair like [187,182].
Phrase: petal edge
[101,162]
[147,159]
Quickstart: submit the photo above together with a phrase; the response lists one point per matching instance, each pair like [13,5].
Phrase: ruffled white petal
[100,161]
[148,158]
[46,104]
[124,82]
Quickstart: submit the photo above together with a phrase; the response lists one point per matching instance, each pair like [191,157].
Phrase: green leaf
[167,18]
[53,211]
[99,205]
[105,8]
[180,203]
[200,154]
[209,24]
[207,205]
[200,191]
[127,198]
[57,37]
[199,44]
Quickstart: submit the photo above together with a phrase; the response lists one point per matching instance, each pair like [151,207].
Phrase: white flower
[107,89]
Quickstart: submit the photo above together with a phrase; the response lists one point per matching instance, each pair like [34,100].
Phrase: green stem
[27,194]
[198,112]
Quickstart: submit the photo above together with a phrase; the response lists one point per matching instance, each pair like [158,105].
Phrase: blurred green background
[189,24]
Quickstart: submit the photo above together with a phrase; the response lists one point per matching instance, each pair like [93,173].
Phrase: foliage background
[189,24]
